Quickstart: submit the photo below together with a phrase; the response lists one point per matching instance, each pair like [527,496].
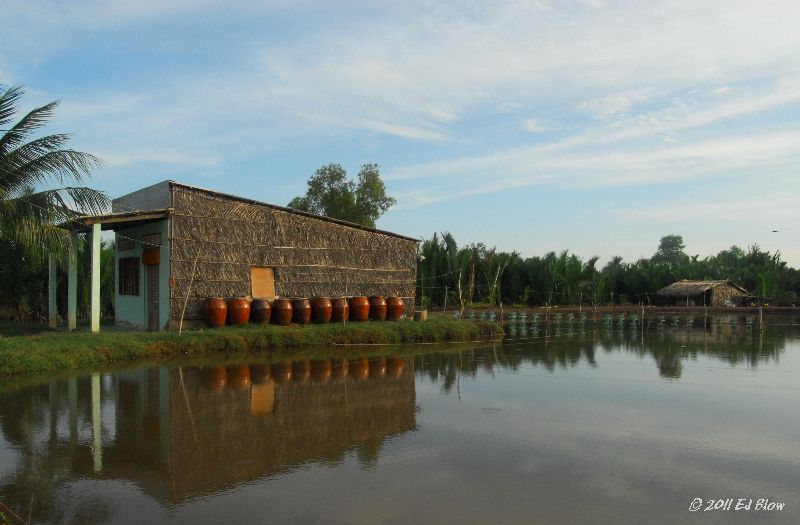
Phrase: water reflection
[182,432]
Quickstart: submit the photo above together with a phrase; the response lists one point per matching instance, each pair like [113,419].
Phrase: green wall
[131,310]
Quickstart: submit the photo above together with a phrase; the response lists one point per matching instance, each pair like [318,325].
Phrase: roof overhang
[117,221]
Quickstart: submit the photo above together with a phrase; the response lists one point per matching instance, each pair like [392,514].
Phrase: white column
[52,286]
[72,282]
[95,300]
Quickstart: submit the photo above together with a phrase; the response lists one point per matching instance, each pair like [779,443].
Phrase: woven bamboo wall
[311,257]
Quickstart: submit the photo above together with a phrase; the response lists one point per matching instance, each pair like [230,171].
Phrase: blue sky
[534,125]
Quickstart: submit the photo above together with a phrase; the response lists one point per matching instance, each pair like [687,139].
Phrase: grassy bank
[58,351]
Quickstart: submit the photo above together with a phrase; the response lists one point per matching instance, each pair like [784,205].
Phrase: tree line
[476,274]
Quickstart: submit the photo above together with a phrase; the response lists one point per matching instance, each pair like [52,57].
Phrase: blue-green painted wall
[131,310]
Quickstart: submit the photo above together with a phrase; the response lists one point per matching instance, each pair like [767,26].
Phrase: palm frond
[8,103]
[35,119]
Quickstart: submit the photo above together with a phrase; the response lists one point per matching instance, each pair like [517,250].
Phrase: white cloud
[533,125]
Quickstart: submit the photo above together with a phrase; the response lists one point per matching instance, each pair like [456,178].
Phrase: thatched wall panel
[222,238]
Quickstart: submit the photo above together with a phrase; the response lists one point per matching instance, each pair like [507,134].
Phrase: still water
[559,423]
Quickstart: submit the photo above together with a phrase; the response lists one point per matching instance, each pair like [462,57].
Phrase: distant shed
[697,293]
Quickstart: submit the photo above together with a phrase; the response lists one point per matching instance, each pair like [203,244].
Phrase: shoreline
[54,351]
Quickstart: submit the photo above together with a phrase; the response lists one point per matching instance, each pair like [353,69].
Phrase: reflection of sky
[615,443]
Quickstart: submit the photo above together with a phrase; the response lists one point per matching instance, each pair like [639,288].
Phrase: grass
[51,351]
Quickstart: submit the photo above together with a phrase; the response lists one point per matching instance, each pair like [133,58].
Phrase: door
[152,297]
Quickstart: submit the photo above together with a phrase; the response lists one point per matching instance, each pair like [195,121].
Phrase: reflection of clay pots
[377,308]
[321,371]
[239,377]
[395,366]
[215,378]
[395,308]
[359,368]
[341,310]
[321,310]
[301,371]
[340,368]
[377,367]
[259,374]
[215,310]
[281,312]
[260,311]
[238,310]
[359,309]
[301,311]
[281,372]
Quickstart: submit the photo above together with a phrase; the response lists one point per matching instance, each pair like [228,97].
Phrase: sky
[536,126]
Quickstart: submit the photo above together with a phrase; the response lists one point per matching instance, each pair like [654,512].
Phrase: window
[262,282]
[129,276]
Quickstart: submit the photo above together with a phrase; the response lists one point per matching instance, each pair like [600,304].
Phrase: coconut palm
[41,181]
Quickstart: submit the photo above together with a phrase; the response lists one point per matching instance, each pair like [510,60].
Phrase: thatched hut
[177,244]
[701,293]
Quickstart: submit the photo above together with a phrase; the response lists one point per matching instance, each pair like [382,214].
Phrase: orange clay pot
[301,311]
[238,310]
[395,308]
[281,312]
[359,309]
[377,308]
[321,310]
[215,310]
[260,311]
[341,310]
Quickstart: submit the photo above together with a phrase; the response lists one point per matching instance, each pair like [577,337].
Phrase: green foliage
[488,277]
[332,194]
[38,178]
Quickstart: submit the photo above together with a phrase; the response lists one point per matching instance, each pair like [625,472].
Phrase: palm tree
[40,179]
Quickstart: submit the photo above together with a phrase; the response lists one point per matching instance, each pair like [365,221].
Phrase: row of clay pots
[242,376]
[239,310]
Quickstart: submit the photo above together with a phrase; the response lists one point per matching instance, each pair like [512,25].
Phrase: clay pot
[377,308]
[238,310]
[281,372]
[281,312]
[321,371]
[395,308]
[359,368]
[301,371]
[215,310]
[359,308]
[301,311]
[215,378]
[239,377]
[377,367]
[321,310]
[341,310]
[395,366]
[260,311]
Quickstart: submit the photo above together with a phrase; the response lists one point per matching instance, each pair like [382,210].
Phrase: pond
[561,422]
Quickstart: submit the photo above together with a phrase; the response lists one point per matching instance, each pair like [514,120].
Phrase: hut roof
[290,210]
[687,288]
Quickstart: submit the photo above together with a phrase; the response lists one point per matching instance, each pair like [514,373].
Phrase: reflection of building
[182,433]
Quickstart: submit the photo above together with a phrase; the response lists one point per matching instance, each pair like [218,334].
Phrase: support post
[52,286]
[72,282]
[95,303]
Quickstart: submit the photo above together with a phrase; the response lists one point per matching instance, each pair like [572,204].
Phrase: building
[177,244]
[701,293]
